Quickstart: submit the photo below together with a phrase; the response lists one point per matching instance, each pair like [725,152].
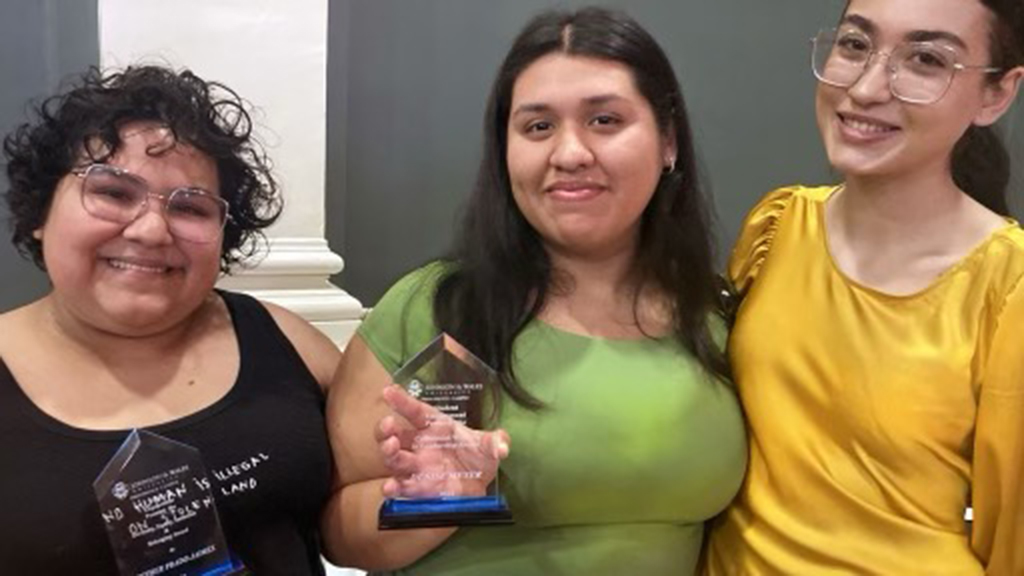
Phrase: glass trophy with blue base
[156,502]
[453,382]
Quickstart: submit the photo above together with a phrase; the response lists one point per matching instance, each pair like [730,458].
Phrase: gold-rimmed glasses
[116,195]
[919,72]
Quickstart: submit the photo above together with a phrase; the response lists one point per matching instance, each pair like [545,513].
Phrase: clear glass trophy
[157,504]
[454,383]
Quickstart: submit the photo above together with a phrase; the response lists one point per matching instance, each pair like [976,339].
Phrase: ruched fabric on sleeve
[875,419]
[998,528]
[755,240]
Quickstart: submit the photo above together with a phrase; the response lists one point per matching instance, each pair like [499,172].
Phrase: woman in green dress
[584,275]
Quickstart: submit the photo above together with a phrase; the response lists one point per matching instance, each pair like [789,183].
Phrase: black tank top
[264,445]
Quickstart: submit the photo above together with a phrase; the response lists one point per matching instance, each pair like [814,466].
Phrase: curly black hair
[71,126]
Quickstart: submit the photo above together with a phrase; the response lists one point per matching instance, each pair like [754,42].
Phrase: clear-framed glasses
[115,195]
[919,72]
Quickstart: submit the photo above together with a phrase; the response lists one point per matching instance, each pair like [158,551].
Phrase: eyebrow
[125,174]
[535,107]
[915,36]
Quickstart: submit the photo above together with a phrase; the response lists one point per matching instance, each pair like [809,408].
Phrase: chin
[855,163]
[141,315]
[139,323]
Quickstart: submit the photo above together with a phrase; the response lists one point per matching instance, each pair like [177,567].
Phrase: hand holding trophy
[434,454]
[444,465]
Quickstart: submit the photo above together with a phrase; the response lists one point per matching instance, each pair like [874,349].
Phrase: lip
[860,128]
[139,265]
[575,189]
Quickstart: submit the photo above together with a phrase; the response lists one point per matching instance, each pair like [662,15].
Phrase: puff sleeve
[998,468]
[755,239]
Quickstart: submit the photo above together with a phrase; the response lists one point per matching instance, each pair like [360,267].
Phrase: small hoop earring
[670,168]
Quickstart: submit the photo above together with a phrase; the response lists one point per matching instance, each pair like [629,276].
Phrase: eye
[191,209]
[538,126]
[853,45]
[605,120]
[113,193]
[921,57]
[193,205]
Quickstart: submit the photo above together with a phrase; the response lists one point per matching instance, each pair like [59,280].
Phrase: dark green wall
[412,78]
[407,85]
[41,41]
[407,80]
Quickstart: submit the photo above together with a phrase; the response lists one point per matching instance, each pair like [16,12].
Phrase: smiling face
[867,132]
[133,279]
[584,153]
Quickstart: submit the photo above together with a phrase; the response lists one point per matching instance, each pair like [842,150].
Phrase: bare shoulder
[6,328]
[983,221]
[317,351]
[15,330]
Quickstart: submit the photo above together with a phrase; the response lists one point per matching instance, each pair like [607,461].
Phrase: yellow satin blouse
[874,419]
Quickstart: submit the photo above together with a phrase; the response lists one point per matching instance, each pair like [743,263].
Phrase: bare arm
[320,355]
[355,409]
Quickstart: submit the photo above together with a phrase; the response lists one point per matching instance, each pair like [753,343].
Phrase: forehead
[562,77]
[150,150]
[897,20]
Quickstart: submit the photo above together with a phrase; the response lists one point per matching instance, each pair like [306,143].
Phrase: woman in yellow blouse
[877,348]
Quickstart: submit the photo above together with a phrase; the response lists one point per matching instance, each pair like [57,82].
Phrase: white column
[274,54]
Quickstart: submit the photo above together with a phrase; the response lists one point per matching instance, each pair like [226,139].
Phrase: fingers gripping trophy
[444,464]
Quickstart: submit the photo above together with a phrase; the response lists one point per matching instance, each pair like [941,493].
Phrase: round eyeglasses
[115,195]
[919,72]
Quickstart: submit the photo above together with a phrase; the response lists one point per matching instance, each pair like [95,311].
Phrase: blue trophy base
[398,514]
[229,569]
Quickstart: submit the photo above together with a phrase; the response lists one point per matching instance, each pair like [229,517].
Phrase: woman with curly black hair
[134,191]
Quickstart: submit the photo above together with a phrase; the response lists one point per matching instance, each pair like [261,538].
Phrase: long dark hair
[981,163]
[500,273]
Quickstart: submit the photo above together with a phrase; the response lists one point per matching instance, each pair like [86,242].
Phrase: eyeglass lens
[919,71]
[114,196]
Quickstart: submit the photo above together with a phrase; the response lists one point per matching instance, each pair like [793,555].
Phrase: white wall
[274,54]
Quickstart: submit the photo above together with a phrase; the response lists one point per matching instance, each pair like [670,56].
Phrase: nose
[873,86]
[571,151]
[150,226]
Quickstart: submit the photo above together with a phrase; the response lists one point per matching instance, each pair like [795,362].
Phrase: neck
[898,235]
[608,274]
[602,296]
[112,347]
[882,209]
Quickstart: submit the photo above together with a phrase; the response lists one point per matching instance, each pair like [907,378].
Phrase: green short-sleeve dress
[637,446]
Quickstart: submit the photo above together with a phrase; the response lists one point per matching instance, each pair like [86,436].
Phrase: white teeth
[122,265]
[867,127]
